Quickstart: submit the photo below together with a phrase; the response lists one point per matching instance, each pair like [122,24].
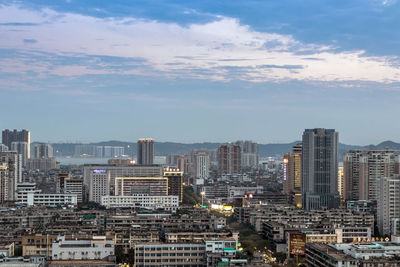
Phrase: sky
[197,71]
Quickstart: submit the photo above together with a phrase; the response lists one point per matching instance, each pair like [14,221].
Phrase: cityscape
[223,206]
[156,133]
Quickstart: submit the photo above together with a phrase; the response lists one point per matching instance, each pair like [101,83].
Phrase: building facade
[388,208]
[145,151]
[320,169]
[229,159]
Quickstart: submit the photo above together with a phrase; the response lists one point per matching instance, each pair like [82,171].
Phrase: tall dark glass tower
[145,151]
[320,169]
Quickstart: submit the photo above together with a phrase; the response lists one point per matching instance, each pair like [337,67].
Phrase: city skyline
[209,71]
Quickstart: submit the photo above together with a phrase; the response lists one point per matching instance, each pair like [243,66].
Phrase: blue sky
[195,71]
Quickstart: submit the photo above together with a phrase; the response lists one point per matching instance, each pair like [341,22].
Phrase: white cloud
[219,50]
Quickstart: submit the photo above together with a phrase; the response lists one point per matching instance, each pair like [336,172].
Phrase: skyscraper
[43,151]
[202,166]
[292,174]
[229,159]
[12,160]
[249,154]
[388,208]
[17,136]
[21,148]
[145,151]
[320,169]
[362,169]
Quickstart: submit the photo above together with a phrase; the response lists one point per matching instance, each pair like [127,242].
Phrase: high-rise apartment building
[17,136]
[21,148]
[249,154]
[145,151]
[292,174]
[388,199]
[229,159]
[74,186]
[43,151]
[201,166]
[320,169]
[362,169]
[99,184]
[4,178]
[13,161]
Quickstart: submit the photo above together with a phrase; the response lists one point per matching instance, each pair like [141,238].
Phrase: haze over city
[200,71]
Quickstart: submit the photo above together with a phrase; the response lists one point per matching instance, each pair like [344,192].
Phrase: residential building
[13,161]
[163,254]
[43,151]
[99,184]
[388,208]
[229,159]
[17,136]
[202,165]
[74,186]
[362,169]
[249,154]
[37,245]
[145,151]
[320,169]
[42,164]
[4,179]
[21,148]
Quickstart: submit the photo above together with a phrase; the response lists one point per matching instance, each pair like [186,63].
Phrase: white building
[388,199]
[91,248]
[202,166]
[141,201]
[74,186]
[99,184]
[35,198]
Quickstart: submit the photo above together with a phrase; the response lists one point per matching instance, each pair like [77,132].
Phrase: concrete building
[21,148]
[42,164]
[161,254]
[143,201]
[74,186]
[318,255]
[4,179]
[39,199]
[121,171]
[202,164]
[362,169]
[153,186]
[175,182]
[145,151]
[292,174]
[17,136]
[43,151]
[388,208]
[70,248]
[13,161]
[99,184]
[249,154]
[37,245]
[229,159]
[320,169]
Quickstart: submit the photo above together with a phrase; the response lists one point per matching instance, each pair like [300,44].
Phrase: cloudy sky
[195,71]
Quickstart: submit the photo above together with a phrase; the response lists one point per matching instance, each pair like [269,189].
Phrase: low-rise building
[162,254]
[318,255]
[70,248]
[144,201]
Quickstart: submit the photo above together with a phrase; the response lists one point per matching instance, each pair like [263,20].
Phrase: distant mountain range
[166,148]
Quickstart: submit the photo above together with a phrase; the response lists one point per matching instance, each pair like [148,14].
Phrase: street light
[202,193]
